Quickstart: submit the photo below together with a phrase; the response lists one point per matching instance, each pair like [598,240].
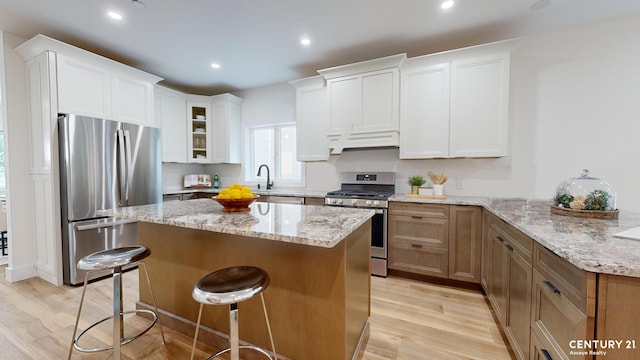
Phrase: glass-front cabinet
[199,121]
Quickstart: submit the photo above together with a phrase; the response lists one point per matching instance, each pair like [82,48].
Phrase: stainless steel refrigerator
[104,164]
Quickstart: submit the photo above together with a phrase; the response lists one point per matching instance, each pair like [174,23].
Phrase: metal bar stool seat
[115,260]
[229,286]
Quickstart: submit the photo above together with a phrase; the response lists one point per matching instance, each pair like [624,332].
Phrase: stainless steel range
[368,190]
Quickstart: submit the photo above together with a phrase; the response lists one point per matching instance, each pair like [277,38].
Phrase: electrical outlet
[459,184]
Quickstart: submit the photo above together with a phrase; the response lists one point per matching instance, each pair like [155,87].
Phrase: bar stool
[230,286]
[115,259]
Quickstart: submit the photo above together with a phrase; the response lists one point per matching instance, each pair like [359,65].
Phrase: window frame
[251,169]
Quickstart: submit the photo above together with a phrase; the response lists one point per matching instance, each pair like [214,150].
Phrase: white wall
[586,105]
[19,195]
[575,103]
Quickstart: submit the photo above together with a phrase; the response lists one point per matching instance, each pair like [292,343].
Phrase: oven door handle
[379,211]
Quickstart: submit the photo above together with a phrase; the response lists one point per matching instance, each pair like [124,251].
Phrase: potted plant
[416,181]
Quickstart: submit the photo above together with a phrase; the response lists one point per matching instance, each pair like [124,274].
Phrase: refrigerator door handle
[129,171]
[122,169]
[103,225]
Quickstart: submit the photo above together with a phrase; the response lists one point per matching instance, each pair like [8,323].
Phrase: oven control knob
[368,202]
[354,201]
[339,201]
[376,202]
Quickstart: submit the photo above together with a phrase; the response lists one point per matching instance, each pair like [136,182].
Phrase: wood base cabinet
[542,301]
[618,316]
[509,282]
[436,240]
[563,303]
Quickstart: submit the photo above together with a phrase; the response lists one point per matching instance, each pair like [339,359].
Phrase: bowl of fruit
[235,198]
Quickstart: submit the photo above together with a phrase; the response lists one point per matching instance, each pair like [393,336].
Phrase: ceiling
[257,42]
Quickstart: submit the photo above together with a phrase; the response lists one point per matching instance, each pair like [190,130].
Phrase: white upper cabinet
[132,100]
[171,107]
[199,132]
[456,103]
[91,85]
[312,119]
[364,103]
[83,88]
[479,106]
[226,115]
[424,121]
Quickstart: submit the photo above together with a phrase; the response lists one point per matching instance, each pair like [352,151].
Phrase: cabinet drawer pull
[551,287]
[509,247]
[546,354]
[416,246]
[500,239]
[416,217]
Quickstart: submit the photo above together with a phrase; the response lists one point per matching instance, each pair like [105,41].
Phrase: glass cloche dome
[586,193]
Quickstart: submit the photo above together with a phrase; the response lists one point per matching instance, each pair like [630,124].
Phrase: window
[274,146]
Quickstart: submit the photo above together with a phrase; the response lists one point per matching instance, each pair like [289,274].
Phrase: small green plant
[597,200]
[563,200]
[416,180]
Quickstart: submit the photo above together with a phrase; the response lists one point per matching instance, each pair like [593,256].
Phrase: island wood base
[318,299]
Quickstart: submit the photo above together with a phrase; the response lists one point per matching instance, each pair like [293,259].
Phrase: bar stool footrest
[122,341]
[251,347]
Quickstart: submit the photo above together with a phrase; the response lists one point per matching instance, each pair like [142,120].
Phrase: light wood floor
[410,320]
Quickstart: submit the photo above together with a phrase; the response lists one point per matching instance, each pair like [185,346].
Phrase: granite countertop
[318,226]
[588,244]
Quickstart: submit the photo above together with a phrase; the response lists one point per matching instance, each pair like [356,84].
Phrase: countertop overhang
[319,226]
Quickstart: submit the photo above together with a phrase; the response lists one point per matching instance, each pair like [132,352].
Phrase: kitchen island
[317,258]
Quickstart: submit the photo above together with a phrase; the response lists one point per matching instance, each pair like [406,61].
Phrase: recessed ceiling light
[137,3]
[215,65]
[305,41]
[446,4]
[114,15]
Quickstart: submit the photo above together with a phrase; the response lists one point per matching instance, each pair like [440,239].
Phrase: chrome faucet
[269,184]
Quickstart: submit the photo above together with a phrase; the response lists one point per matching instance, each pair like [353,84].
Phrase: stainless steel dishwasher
[281,199]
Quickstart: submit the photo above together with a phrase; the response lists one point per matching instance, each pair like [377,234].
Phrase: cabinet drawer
[423,232]
[419,210]
[541,348]
[556,318]
[411,257]
[575,284]
[513,239]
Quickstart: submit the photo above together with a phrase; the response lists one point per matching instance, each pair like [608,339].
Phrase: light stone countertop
[588,244]
[318,226]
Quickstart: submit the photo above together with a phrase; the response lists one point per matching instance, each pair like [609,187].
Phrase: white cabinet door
[132,100]
[380,100]
[424,122]
[345,103]
[479,106]
[171,109]
[312,119]
[226,116]
[83,89]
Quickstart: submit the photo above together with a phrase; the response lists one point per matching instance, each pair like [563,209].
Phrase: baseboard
[12,274]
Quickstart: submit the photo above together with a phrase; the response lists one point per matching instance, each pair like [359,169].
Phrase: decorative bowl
[235,205]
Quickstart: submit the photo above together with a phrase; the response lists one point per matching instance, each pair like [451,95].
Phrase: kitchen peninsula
[317,258]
